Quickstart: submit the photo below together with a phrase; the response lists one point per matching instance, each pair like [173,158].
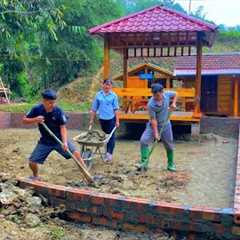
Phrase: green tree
[45,42]
[131,6]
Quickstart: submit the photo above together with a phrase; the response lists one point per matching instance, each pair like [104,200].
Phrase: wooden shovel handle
[86,175]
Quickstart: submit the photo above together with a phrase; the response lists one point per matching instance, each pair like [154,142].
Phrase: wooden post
[106,60]
[168,84]
[197,111]
[125,67]
[236,96]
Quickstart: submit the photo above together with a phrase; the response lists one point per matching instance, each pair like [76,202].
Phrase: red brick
[79,217]
[195,213]
[135,228]
[98,200]
[117,215]
[191,236]
[166,208]
[93,210]
[57,192]
[78,194]
[211,216]
[236,230]
[147,219]
[102,221]
[219,228]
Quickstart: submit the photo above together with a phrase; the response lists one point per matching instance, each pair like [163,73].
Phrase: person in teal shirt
[105,104]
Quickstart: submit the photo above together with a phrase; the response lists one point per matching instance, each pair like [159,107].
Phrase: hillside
[84,88]
[81,89]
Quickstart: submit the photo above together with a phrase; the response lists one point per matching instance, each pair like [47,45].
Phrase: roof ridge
[169,10]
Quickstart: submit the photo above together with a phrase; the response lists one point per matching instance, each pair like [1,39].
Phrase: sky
[225,12]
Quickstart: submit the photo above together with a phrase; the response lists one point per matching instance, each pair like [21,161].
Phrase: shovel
[160,133]
[86,175]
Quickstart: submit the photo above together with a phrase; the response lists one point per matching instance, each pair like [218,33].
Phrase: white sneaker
[108,157]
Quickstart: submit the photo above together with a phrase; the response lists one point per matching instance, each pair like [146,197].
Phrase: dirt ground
[205,173]
[62,230]
[205,176]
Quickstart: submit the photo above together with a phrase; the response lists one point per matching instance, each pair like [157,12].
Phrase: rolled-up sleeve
[95,104]
[115,103]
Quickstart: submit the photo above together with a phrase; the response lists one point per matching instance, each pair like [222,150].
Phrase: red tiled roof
[226,63]
[155,19]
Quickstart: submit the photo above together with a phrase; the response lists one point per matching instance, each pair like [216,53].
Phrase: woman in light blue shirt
[106,105]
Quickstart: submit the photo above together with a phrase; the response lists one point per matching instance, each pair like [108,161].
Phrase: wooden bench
[135,99]
[146,92]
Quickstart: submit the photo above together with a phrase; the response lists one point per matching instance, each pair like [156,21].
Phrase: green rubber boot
[143,163]
[171,166]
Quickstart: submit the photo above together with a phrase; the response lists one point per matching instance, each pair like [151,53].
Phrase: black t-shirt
[53,120]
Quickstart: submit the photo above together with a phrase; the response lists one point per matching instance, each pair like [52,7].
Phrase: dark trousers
[107,126]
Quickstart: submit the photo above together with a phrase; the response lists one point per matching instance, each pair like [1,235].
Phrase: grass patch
[25,107]
[57,233]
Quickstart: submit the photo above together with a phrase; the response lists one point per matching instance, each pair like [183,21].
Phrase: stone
[21,192]
[4,177]
[14,218]
[7,198]
[34,202]
[32,220]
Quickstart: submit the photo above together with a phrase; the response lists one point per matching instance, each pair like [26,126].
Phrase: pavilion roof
[154,19]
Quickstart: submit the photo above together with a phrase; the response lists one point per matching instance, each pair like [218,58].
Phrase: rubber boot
[171,166]
[143,163]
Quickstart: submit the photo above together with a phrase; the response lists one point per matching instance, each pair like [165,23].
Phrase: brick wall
[14,120]
[226,127]
[133,214]
[237,187]
[5,120]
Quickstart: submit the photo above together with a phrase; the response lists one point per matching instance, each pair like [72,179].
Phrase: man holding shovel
[54,118]
[159,125]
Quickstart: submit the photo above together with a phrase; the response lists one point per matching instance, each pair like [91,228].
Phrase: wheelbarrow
[93,144]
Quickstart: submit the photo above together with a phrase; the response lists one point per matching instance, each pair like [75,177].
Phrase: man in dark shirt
[47,112]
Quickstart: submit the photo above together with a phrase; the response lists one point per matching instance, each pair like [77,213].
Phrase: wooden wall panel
[136,82]
[225,95]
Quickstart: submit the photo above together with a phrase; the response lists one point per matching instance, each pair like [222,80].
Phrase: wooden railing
[146,92]
[134,99]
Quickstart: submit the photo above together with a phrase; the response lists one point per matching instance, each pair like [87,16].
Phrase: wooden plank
[225,99]
[106,60]
[145,117]
[125,67]
[236,95]
[197,111]
[168,84]
[136,82]
[146,92]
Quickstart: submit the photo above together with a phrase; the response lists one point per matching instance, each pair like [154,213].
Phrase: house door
[209,94]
